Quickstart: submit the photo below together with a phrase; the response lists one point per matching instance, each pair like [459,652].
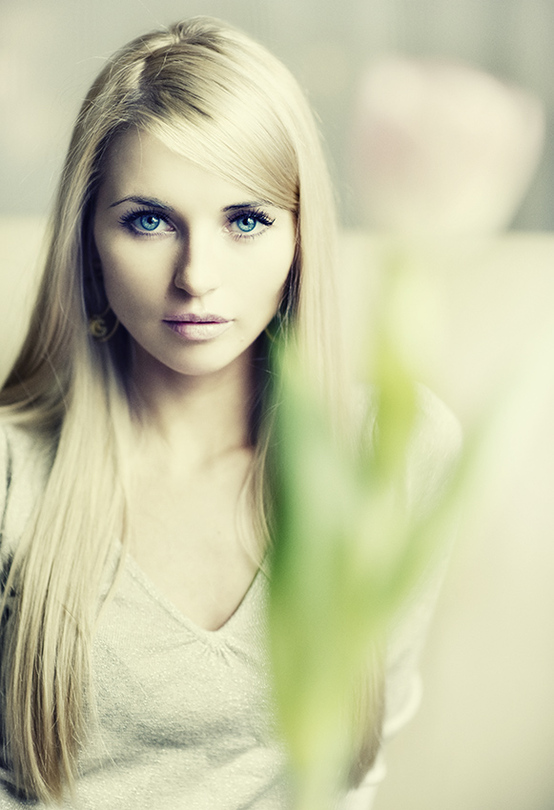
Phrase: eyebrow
[151,201]
[154,202]
[250,204]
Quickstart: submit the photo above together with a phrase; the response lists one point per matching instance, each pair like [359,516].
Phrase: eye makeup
[241,222]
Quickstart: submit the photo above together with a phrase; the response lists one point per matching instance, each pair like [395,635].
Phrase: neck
[203,416]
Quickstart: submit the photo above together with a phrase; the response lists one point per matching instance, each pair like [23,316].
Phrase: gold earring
[98,327]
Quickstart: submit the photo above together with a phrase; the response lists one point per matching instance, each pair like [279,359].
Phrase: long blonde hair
[221,100]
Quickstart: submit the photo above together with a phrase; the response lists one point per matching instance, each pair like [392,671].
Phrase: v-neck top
[183,715]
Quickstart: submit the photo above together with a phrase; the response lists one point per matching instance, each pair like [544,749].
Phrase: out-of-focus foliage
[345,556]
[442,150]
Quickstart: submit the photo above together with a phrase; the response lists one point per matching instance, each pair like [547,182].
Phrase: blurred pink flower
[440,147]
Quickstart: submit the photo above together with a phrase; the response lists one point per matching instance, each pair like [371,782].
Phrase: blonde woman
[194,220]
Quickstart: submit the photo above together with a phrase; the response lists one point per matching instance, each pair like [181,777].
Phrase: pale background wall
[50,50]
[484,737]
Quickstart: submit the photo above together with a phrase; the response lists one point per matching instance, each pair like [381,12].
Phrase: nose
[196,271]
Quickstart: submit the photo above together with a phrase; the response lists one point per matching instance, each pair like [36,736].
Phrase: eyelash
[129,218]
[250,213]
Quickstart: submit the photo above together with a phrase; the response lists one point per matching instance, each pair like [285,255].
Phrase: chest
[184,715]
[190,537]
[156,670]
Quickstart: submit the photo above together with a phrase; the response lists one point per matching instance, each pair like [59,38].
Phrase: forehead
[139,164]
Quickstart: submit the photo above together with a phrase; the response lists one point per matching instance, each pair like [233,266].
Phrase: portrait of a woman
[193,226]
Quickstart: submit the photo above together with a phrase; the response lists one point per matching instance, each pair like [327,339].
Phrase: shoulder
[433,451]
[436,426]
[432,457]
[434,445]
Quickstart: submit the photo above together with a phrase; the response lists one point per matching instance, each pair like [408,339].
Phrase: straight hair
[214,96]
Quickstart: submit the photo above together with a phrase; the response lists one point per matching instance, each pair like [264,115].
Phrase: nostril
[196,271]
[195,285]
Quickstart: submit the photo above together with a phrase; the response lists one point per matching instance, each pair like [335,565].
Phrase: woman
[194,221]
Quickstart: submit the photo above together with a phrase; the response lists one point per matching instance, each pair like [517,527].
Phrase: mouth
[192,317]
[197,328]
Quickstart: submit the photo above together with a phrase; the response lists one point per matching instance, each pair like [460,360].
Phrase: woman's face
[193,266]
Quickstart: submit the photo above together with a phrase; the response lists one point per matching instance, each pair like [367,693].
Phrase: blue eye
[249,223]
[246,224]
[144,223]
[149,222]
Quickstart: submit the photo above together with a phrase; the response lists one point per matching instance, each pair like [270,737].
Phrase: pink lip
[192,317]
[198,328]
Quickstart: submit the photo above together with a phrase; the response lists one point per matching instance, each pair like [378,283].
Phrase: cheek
[264,288]
[116,282]
[117,277]
[281,278]
[126,278]
[110,263]
[279,266]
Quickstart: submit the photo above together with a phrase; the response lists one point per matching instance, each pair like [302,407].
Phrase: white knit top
[184,716]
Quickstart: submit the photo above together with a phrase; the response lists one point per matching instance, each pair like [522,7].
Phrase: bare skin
[186,510]
[177,242]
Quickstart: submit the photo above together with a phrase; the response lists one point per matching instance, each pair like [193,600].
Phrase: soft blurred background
[485,734]
[50,50]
